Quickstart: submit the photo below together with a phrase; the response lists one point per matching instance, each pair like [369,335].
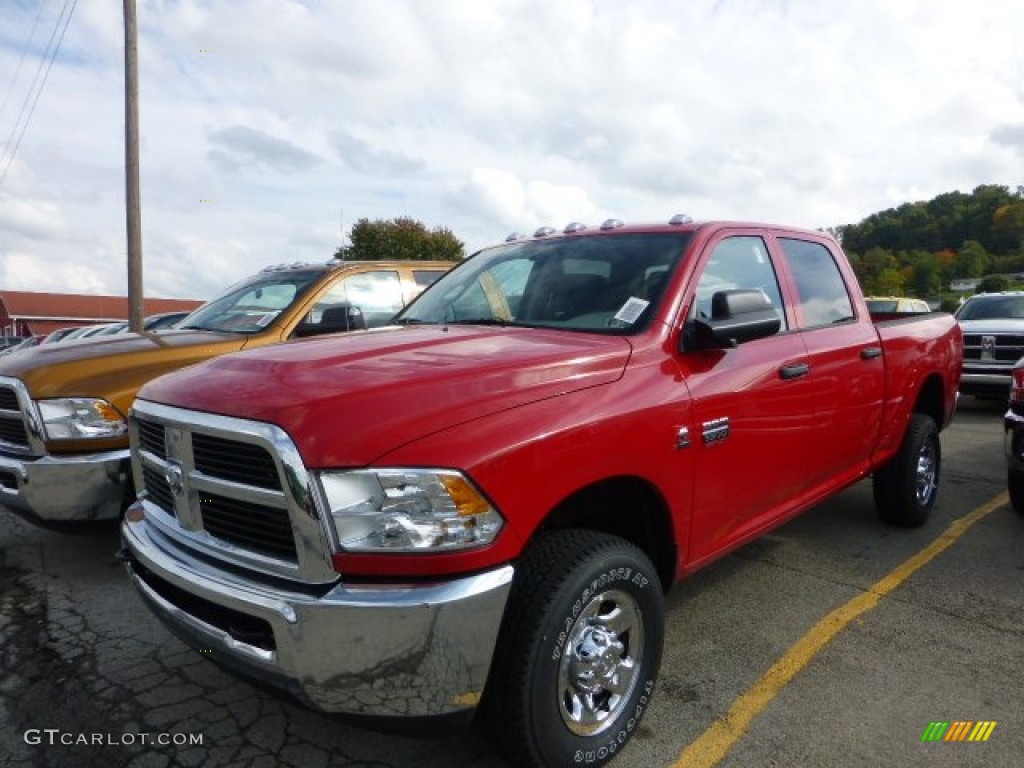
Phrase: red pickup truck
[480,508]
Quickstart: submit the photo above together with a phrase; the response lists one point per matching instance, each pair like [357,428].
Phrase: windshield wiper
[481,321]
[414,321]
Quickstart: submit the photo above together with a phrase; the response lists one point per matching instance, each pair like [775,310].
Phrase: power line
[21,58]
[48,56]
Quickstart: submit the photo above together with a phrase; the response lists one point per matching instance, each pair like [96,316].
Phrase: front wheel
[578,653]
[906,488]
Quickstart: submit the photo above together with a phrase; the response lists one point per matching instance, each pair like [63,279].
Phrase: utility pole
[131,165]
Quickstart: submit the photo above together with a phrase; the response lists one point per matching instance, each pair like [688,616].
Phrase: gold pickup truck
[63,407]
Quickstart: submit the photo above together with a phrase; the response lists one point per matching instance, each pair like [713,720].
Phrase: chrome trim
[683,438]
[385,650]
[313,543]
[65,488]
[715,431]
[29,418]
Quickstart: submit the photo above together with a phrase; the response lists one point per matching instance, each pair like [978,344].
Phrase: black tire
[906,487]
[578,652]
[1015,485]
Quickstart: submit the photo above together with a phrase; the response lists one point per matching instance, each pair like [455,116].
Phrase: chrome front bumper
[65,488]
[406,650]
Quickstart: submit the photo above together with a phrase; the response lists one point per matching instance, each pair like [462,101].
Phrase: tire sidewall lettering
[607,579]
[610,747]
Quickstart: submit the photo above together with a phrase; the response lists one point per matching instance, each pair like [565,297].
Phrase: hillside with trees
[919,248]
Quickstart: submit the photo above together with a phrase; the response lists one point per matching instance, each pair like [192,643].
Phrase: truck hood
[348,399]
[997,326]
[112,367]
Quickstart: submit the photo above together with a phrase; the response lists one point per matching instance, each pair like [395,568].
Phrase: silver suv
[993,327]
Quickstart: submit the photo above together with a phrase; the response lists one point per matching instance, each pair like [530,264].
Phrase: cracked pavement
[80,653]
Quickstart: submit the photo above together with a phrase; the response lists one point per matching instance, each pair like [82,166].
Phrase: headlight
[408,510]
[74,418]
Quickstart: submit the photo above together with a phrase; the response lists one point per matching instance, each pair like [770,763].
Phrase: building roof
[27,312]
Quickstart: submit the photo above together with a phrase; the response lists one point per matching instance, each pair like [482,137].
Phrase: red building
[24,313]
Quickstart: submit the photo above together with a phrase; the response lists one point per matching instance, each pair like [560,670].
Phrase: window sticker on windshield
[266,319]
[631,310]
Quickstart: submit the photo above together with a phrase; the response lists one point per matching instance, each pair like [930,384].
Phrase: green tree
[971,260]
[400,239]
[993,284]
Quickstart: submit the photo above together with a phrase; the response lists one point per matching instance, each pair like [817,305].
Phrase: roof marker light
[544,232]
[611,224]
[513,237]
[576,226]
[680,218]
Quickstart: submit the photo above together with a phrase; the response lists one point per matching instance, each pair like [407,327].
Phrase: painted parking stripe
[714,744]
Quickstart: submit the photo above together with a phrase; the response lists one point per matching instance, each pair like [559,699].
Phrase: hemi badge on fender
[715,431]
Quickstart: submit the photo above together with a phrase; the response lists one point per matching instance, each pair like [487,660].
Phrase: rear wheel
[906,488]
[578,652]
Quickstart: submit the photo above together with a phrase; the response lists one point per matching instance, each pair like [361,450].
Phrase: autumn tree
[403,239]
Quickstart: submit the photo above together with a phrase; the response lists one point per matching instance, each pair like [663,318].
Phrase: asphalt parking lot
[834,641]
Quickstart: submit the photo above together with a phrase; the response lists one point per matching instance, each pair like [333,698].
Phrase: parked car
[61,333]
[83,332]
[163,320]
[993,328]
[1013,438]
[896,305]
[64,406]
[26,343]
[485,503]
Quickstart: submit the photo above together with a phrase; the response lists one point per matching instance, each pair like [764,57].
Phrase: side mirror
[736,316]
[336,319]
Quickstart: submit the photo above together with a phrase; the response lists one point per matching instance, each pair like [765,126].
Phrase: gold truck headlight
[408,510]
[75,418]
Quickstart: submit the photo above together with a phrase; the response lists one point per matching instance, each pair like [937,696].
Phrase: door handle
[794,370]
[870,353]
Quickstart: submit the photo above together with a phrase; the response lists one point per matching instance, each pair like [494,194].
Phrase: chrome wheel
[927,473]
[600,660]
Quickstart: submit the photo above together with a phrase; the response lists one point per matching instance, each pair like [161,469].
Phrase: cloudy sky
[268,127]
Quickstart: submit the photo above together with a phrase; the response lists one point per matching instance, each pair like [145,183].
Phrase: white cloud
[263,120]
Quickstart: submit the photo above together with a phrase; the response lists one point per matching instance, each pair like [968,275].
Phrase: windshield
[252,305]
[992,308]
[605,284]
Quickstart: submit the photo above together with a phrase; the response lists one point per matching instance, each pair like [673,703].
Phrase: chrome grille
[1008,348]
[231,489]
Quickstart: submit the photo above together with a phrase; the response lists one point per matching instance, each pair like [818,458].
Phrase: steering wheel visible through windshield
[603,283]
[253,304]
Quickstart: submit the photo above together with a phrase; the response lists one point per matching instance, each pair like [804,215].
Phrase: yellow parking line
[714,744]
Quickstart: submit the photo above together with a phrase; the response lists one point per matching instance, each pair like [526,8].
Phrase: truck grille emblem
[175,478]
[988,347]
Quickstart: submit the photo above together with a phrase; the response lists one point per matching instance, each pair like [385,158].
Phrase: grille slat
[13,431]
[239,462]
[151,438]
[254,526]
[9,400]
[158,489]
